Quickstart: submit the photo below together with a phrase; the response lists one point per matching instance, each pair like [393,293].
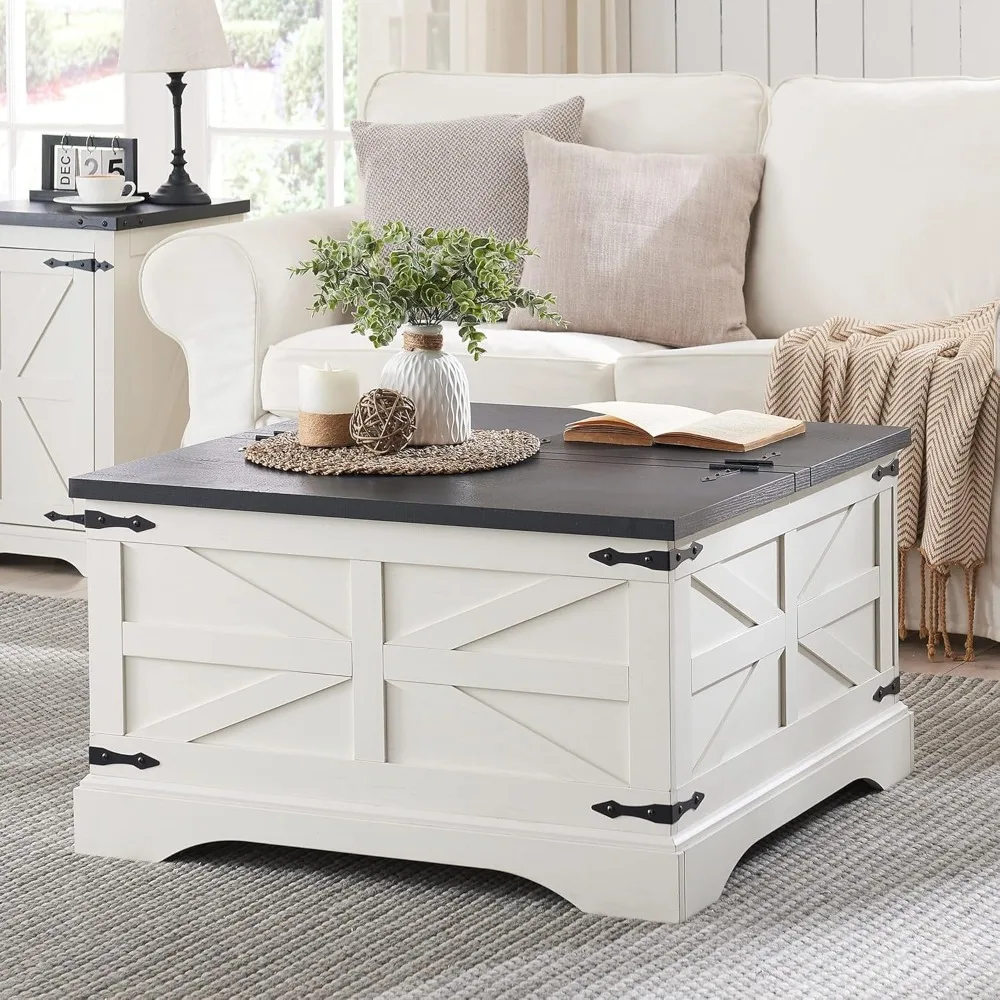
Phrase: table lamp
[172,37]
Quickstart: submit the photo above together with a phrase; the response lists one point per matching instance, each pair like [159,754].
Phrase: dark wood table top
[144,215]
[662,493]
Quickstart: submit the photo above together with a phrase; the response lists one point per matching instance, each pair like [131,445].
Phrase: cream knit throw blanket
[938,379]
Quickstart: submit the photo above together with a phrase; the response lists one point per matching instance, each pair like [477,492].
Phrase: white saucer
[76,203]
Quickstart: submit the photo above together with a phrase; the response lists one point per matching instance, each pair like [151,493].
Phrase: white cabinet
[86,381]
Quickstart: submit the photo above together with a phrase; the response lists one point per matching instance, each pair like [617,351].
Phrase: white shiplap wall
[775,39]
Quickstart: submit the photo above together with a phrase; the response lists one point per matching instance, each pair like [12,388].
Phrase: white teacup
[104,188]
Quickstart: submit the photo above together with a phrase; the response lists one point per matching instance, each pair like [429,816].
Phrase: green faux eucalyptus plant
[397,276]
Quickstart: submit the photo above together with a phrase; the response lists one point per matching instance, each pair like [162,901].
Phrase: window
[274,127]
[60,61]
[278,121]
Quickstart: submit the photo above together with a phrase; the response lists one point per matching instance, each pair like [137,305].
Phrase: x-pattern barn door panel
[510,672]
[781,629]
[241,649]
[46,379]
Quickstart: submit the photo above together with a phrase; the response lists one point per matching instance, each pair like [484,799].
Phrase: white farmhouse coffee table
[607,670]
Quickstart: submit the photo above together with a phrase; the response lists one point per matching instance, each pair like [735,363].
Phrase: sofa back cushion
[881,200]
[712,113]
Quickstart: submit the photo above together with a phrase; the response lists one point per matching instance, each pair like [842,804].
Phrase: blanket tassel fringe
[934,608]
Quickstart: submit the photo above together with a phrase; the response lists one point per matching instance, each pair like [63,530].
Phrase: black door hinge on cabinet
[663,561]
[891,688]
[101,757]
[90,264]
[881,471]
[96,519]
[655,813]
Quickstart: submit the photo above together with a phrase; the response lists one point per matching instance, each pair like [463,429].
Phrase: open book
[656,423]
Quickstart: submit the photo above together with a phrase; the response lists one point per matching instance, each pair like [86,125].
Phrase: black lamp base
[174,192]
[178,189]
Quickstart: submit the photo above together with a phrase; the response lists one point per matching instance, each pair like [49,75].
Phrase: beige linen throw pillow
[468,173]
[648,246]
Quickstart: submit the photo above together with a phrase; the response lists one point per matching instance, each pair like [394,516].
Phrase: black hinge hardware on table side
[886,689]
[97,519]
[90,264]
[881,471]
[101,757]
[662,561]
[655,812]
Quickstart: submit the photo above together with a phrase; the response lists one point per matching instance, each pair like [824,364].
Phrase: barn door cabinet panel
[85,380]
[489,697]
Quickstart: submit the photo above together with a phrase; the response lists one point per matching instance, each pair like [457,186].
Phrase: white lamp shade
[171,36]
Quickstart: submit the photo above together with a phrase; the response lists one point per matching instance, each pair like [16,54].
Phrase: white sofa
[881,199]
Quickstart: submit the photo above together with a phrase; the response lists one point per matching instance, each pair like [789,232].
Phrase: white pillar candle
[327,390]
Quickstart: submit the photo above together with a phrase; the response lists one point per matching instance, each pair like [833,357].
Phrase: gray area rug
[893,894]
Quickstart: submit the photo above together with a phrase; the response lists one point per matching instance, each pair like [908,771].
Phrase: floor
[51,578]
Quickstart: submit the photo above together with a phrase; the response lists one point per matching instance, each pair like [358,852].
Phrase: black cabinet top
[659,493]
[141,216]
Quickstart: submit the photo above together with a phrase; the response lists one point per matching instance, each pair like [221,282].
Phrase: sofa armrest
[225,295]
[715,377]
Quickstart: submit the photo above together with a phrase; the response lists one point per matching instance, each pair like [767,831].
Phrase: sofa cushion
[420,173]
[561,368]
[650,246]
[879,201]
[715,377]
[644,112]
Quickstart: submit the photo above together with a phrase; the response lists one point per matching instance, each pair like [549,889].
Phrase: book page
[654,418]
[739,426]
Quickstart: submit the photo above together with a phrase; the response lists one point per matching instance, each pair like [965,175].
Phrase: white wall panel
[888,38]
[744,37]
[937,37]
[775,39]
[980,32]
[699,36]
[792,33]
[840,38]
[654,43]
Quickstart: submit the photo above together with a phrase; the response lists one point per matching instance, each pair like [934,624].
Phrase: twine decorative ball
[384,421]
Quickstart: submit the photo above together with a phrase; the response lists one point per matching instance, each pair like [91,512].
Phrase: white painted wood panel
[699,36]
[46,383]
[937,37]
[104,611]
[776,39]
[792,33]
[605,681]
[367,632]
[653,36]
[980,22]
[888,38]
[840,37]
[745,37]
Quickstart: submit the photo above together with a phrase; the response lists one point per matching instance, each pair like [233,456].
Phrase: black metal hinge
[90,264]
[101,757]
[891,688]
[881,471]
[96,519]
[731,466]
[663,561]
[655,813]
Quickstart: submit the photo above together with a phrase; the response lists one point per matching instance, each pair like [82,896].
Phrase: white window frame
[16,125]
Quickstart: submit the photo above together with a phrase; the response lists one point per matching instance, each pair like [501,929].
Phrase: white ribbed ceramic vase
[437,384]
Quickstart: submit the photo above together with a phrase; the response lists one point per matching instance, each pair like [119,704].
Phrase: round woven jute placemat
[485,450]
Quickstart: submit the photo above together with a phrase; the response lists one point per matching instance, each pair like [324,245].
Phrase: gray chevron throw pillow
[469,173]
